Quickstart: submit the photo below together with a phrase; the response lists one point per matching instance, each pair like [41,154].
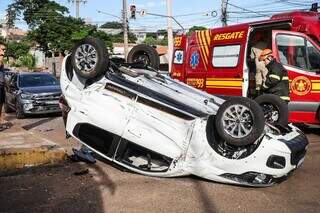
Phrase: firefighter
[261,70]
[277,81]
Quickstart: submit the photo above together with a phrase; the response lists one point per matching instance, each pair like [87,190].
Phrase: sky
[187,12]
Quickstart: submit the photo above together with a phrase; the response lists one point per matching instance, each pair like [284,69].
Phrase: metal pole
[170,33]
[224,4]
[125,27]
[77,8]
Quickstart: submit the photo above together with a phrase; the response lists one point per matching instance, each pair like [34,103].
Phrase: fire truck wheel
[275,110]
[145,53]
[90,58]
[239,121]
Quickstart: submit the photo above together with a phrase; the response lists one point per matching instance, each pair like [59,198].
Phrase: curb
[19,149]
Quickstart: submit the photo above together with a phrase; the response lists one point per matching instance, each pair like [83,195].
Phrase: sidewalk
[20,148]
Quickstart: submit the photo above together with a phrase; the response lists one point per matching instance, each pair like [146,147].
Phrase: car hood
[43,89]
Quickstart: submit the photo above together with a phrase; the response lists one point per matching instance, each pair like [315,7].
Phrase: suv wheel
[239,121]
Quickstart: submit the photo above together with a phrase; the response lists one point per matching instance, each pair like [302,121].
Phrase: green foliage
[104,37]
[17,49]
[118,38]
[27,60]
[112,25]
[195,28]
[152,41]
[34,11]
[49,25]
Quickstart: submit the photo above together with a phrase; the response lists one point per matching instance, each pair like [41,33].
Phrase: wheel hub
[238,121]
[86,57]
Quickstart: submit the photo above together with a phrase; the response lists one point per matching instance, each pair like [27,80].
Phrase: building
[14,34]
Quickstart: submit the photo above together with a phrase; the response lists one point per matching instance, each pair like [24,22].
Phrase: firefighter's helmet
[264,54]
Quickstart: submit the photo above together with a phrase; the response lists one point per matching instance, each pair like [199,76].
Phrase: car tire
[6,107]
[274,108]
[90,58]
[19,112]
[145,53]
[239,121]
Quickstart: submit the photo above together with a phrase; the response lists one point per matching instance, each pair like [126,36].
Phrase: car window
[313,57]
[226,56]
[298,52]
[37,80]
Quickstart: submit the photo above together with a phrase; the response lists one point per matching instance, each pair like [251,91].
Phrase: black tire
[94,66]
[274,108]
[251,121]
[19,112]
[145,53]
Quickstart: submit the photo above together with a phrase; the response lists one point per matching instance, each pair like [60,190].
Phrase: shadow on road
[53,189]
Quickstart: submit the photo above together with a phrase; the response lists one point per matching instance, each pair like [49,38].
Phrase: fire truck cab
[218,60]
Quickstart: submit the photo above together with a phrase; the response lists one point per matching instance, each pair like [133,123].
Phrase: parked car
[154,125]
[30,93]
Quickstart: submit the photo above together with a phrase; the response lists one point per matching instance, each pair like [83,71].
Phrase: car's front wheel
[239,121]
[19,111]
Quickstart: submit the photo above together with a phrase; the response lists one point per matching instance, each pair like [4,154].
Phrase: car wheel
[145,53]
[6,107]
[239,121]
[19,112]
[90,58]
[275,110]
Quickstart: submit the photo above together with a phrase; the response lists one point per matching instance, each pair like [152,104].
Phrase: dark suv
[32,93]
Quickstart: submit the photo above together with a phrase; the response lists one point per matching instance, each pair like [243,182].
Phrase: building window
[226,56]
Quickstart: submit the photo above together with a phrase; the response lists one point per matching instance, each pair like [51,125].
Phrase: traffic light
[133,11]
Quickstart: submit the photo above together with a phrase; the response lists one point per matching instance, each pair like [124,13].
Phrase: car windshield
[37,80]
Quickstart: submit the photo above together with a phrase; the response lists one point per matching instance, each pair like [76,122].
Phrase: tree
[17,49]
[195,28]
[34,12]
[150,40]
[49,25]
[112,25]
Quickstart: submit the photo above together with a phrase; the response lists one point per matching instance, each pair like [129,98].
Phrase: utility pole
[78,6]
[125,27]
[170,33]
[224,4]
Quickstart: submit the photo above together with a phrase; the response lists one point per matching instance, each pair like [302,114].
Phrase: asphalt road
[101,187]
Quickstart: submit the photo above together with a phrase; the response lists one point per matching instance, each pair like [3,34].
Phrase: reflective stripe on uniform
[274,76]
[285,78]
[286,98]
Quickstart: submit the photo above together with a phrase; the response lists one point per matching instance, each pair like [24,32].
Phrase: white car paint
[183,140]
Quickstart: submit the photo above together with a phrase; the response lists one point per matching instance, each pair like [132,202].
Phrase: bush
[26,60]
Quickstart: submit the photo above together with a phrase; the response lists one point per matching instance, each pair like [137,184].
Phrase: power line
[247,9]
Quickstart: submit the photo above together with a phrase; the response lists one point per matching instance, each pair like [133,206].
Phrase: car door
[300,55]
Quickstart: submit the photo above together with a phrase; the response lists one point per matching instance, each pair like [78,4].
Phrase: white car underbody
[150,135]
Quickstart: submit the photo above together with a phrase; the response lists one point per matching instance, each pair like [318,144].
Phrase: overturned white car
[153,125]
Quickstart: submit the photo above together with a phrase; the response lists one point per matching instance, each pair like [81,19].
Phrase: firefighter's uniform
[261,70]
[277,81]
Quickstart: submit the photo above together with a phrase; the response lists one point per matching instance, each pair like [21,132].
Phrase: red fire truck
[217,60]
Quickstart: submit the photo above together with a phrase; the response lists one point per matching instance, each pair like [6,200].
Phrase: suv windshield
[37,80]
